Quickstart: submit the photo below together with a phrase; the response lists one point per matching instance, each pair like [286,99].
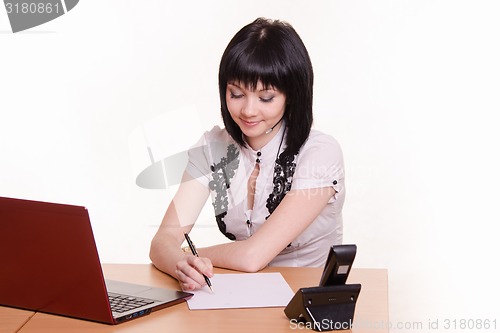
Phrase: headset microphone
[271,129]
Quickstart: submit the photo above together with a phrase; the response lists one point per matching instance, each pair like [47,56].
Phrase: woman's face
[255,111]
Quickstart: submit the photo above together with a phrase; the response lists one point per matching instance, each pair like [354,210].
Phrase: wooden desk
[371,309]
[12,320]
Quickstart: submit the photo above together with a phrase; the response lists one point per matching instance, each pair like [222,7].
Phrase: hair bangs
[270,53]
[259,65]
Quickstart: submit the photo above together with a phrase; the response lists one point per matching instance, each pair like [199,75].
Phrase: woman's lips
[250,123]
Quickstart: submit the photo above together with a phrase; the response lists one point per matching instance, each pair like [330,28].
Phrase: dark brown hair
[273,53]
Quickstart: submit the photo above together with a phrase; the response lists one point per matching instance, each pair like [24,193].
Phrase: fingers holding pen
[190,272]
[202,265]
[186,283]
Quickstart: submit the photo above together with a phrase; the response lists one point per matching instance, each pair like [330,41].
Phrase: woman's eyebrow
[263,89]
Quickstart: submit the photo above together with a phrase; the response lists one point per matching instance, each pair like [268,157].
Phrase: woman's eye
[267,99]
[235,95]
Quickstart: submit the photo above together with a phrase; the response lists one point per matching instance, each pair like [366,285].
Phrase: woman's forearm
[165,253]
[238,255]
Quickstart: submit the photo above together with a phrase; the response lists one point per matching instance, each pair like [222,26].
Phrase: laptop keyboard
[123,303]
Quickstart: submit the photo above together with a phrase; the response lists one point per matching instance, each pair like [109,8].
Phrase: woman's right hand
[190,270]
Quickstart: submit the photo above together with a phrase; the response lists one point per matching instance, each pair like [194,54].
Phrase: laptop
[49,263]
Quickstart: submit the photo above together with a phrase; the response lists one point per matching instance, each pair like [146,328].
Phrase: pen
[195,253]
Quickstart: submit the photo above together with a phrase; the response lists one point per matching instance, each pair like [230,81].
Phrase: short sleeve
[212,146]
[198,164]
[320,163]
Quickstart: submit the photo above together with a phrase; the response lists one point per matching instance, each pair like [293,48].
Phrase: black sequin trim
[222,173]
[284,169]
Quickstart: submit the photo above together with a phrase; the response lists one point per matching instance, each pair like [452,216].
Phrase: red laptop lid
[49,261]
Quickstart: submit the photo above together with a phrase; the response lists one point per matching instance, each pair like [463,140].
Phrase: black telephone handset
[338,265]
[331,305]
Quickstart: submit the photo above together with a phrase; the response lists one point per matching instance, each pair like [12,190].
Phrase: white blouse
[219,163]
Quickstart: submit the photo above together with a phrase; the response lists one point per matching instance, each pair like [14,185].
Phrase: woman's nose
[249,109]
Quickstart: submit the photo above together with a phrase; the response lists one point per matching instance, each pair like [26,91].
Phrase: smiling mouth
[250,123]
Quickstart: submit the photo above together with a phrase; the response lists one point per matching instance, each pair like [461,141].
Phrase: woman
[277,187]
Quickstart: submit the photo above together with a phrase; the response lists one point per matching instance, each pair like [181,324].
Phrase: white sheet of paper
[244,290]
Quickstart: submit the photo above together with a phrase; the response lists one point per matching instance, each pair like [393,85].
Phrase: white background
[409,88]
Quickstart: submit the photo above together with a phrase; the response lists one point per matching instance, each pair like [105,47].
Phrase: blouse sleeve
[320,163]
[197,166]
[211,146]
